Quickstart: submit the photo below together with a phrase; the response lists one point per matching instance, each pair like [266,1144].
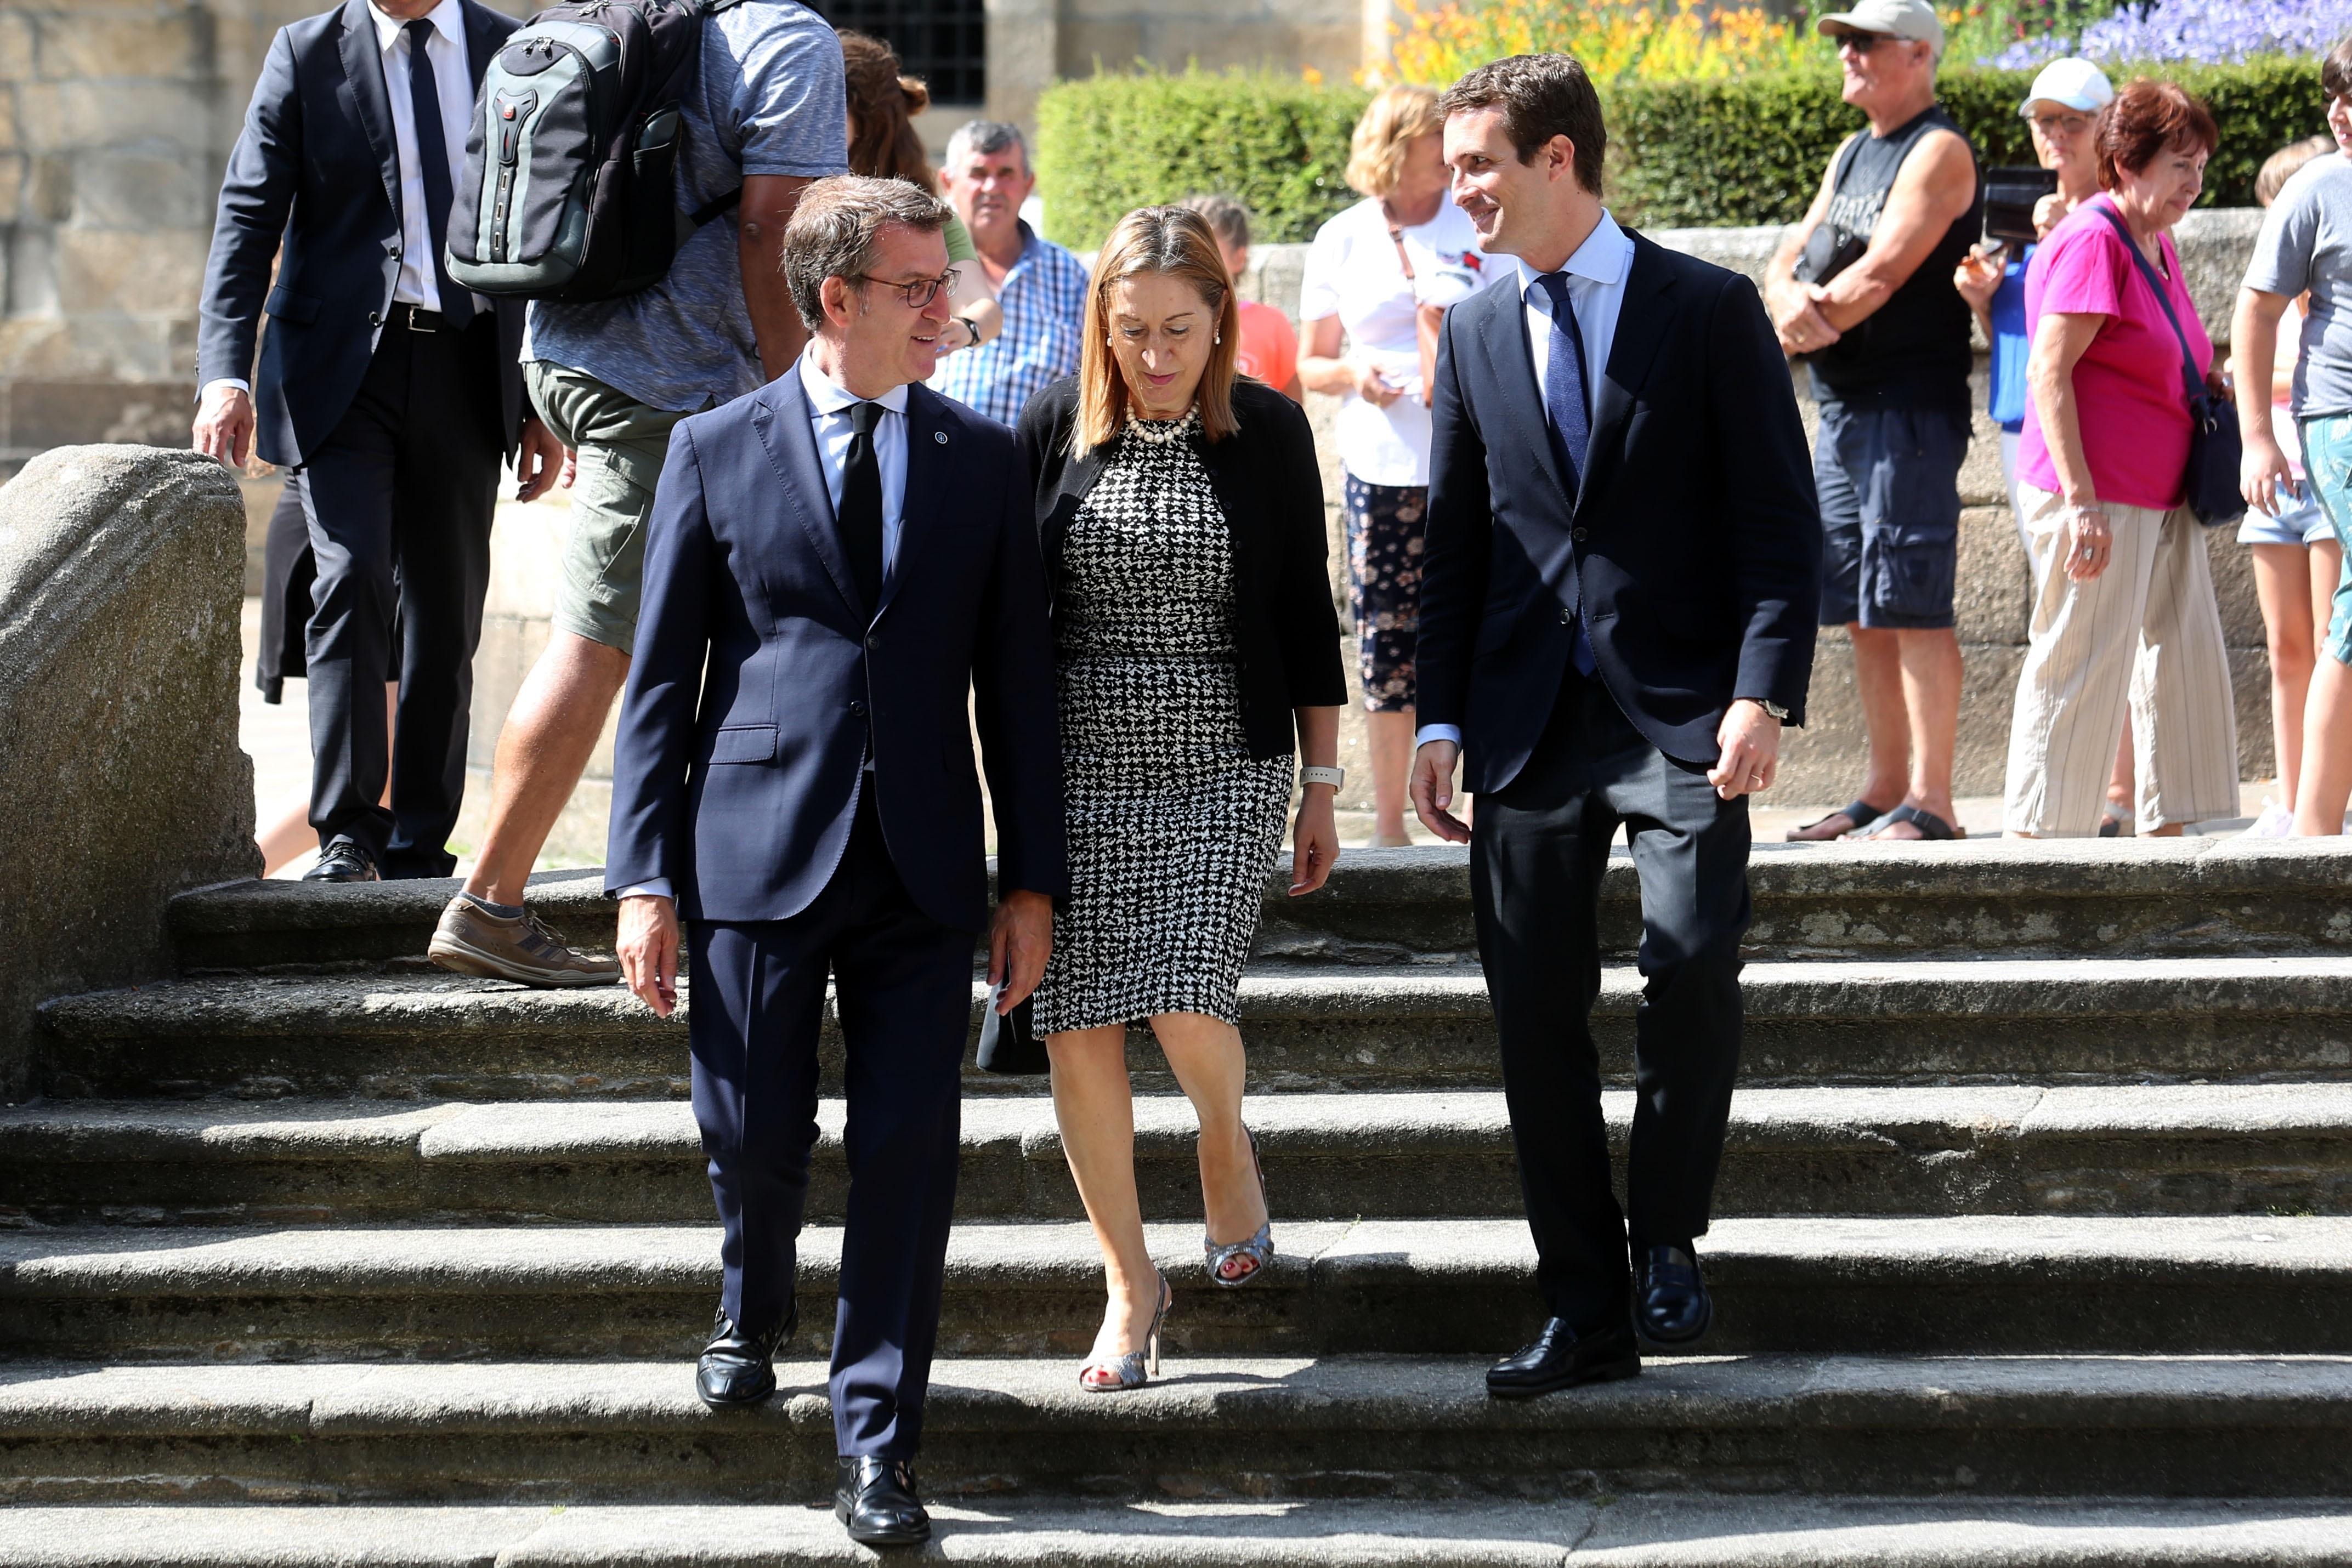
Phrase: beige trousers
[2145,635]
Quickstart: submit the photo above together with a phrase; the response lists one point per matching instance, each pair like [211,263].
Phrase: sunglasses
[918,294]
[1863,43]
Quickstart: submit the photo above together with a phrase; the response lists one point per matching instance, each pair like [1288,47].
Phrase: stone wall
[1030,43]
[121,780]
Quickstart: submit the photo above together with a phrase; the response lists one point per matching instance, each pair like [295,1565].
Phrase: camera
[2009,201]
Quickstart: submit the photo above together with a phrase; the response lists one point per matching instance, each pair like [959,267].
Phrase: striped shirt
[1045,304]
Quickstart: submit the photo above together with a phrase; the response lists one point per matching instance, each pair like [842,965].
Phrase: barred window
[945,42]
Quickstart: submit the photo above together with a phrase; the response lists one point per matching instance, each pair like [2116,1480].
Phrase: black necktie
[861,504]
[1569,414]
[433,163]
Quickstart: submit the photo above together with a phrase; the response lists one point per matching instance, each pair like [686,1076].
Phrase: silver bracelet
[1334,777]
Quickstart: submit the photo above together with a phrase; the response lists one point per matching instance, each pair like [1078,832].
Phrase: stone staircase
[2035,1249]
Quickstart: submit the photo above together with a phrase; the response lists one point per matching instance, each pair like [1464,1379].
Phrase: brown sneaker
[471,940]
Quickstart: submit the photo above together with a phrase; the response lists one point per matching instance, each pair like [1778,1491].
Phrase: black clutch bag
[1008,1044]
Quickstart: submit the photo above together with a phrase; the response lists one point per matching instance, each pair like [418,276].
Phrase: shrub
[1676,40]
[1748,150]
[1110,143]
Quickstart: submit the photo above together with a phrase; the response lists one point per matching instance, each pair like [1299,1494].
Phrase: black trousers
[1536,860]
[903,987]
[398,501]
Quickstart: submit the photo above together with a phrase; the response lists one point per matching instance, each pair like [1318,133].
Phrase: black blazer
[1270,487]
[1692,545]
[758,677]
[314,181]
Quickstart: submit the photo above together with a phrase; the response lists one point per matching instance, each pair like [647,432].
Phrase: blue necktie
[432,163]
[1566,411]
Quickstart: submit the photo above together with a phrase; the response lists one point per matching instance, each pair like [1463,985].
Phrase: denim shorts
[2328,465]
[1889,480]
[2299,522]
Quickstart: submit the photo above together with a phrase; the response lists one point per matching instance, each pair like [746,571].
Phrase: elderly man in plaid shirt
[1041,286]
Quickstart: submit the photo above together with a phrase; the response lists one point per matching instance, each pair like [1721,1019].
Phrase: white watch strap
[1334,777]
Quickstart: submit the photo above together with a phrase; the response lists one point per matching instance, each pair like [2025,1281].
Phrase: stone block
[16,63]
[2250,692]
[1023,56]
[1822,762]
[49,188]
[168,43]
[74,116]
[2232,565]
[113,190]
[120,779]
[1081,46]
[1992,593]
[55,413]
[12,187]
[149,271]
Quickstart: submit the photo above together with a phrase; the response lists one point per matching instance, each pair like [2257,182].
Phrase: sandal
[2117,822]
[1118,1373]
[1932,828]
[1861,814]
[1258,1249]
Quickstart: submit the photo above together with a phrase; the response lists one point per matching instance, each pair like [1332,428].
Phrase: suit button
[874,644]
[395,252]
[1576,533]
[857,707]
[1567,616]
[376,317]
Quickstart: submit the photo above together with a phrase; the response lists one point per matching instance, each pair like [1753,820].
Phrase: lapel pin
[940,436]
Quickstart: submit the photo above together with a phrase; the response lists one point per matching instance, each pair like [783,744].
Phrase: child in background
[2296,555]
[1269,343]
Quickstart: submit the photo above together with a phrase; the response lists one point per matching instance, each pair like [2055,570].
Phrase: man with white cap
[1861,288]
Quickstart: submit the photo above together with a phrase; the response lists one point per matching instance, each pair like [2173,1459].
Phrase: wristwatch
[1775,709]
[1334,777]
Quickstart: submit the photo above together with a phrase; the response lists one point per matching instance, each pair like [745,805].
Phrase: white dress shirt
[829,407]
[1596,292]
[453,82]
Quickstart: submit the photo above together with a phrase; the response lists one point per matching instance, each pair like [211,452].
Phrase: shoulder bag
[2210,482]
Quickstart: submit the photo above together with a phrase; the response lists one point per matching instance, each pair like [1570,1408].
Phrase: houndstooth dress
[1173,827]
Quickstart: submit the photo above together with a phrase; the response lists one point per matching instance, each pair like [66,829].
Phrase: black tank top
[1914,351]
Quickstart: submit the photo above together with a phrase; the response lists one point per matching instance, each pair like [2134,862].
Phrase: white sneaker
[2275,822]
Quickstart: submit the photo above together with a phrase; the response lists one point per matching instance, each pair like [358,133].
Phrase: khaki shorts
[622,445]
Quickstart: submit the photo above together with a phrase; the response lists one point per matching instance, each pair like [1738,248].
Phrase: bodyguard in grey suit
[389,394]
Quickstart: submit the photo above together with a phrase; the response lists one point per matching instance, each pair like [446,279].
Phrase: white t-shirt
[1353,272]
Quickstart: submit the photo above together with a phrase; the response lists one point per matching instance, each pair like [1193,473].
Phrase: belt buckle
[415,324]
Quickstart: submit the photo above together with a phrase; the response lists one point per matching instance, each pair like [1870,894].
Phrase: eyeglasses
[2062,124]
[918,294]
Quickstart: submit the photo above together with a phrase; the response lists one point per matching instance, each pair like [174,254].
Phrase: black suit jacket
[1270,487]
[1692,545]
[315,182]
[739,761]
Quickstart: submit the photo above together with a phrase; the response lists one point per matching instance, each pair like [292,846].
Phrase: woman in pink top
[2124,615]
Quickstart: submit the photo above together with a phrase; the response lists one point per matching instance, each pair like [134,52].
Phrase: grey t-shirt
[2306,243]
[770,102]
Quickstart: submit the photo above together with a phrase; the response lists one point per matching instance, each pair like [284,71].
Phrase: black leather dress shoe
[1561,1358]
[876,1499]
[738,1368]
[1671,1305]
[343,861]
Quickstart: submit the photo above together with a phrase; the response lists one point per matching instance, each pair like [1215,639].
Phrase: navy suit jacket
[314,183]
[739,762]
[1692,546]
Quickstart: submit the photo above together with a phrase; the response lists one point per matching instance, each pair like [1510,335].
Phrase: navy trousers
[903,986]
[1536,859]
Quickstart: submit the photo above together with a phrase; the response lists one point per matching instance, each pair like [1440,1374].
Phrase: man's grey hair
[837,227]
[985,136]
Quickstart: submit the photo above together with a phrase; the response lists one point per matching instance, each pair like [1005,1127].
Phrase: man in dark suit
[835,563]
[389,394]
[1616,620]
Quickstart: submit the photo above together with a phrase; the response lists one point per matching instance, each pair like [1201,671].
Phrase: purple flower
[2204,31]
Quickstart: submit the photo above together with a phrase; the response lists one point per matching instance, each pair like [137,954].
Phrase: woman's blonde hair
[1390,122]
[1172,242]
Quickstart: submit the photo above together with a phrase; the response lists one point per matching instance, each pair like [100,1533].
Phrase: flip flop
[1932,828]
[1860,813]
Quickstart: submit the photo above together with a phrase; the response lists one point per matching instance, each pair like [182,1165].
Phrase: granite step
[1976,1149]
[1637,1531]
[1995,1284]
[1919,1021]
[1264,1428]
[2151,897]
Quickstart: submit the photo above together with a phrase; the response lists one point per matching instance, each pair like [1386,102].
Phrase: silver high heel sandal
[1118,1373]
[1258,1248]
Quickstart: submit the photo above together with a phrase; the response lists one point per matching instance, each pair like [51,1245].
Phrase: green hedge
[1749,151]
[1108,145]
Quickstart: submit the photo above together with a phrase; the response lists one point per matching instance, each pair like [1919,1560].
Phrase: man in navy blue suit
[389,393]
[835,563]
[1616,619]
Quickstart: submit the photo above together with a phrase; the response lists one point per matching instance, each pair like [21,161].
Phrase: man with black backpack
[389,392]
[761,112]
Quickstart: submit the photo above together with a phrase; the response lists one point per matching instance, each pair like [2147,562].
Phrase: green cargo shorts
[621,444]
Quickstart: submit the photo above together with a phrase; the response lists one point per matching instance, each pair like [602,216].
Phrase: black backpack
[571,179]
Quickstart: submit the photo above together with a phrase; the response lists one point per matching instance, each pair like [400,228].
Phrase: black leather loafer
[1671,1305]
[343,861]
[738,1368]
[1561,1358]
[874,1498]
